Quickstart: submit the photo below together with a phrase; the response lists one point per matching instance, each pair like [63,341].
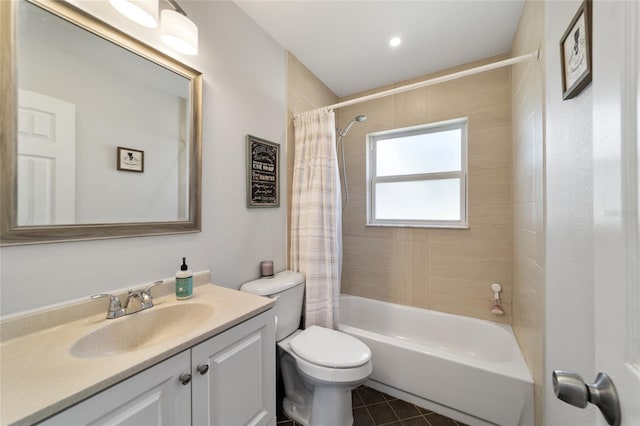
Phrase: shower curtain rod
[437,80]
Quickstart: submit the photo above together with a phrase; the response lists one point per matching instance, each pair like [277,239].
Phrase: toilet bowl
[320,366]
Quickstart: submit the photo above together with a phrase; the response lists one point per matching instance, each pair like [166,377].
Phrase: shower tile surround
[448,270]
[374,408]
[528,100]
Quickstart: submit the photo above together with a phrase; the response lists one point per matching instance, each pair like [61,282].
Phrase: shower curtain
[316,220]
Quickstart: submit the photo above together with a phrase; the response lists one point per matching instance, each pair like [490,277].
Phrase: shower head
[341,134]
[359,119]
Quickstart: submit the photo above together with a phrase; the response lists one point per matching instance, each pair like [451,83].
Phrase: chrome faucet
[141,300]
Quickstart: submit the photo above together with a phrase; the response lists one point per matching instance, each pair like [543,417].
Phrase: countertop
[40,377]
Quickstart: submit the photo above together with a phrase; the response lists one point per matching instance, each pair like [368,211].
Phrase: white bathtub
[469,369]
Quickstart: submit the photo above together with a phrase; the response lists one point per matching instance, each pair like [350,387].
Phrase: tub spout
[497,310]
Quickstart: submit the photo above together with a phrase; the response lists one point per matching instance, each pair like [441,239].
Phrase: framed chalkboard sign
[263,173]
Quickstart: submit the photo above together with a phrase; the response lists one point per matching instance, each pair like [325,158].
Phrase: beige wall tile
[474,289]
[489,147]
[497,214]
[528,193]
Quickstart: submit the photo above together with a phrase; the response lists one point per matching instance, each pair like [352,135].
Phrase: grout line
[394,411]
[369,414]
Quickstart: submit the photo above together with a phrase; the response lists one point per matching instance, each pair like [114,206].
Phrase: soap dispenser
[184,281]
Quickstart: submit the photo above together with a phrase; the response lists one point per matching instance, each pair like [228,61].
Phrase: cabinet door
[153,397]
[239,386]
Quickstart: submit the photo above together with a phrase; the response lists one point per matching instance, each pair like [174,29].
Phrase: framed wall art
[130,160]
[263,173]
[575,52]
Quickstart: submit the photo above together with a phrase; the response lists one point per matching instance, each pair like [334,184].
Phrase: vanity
[209,360]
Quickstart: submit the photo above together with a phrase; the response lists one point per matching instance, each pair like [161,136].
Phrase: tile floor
[373,408]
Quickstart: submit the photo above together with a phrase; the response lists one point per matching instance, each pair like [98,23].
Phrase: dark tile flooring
[373,408]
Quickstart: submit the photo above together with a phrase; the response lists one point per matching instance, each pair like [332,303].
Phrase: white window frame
[372,180]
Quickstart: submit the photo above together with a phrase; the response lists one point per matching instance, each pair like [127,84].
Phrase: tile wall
[447,270]
[528,80]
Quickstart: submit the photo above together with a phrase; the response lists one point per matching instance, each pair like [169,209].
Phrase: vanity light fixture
[143,12]
[177,31]
[395,42]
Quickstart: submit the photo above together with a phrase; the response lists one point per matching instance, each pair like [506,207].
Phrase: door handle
[570,388]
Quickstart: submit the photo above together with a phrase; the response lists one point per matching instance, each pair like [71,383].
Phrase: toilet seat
[327,375]
[330,348]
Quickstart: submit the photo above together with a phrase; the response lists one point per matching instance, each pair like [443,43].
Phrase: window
[418,176]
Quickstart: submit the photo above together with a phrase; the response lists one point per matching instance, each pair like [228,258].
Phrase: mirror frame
[10,233]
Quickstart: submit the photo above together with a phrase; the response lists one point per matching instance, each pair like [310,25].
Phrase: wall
[244,93]
[447,270]
[305,92]
[528,97]
[569,330]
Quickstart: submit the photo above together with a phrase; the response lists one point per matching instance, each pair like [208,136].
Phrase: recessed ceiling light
[395,42]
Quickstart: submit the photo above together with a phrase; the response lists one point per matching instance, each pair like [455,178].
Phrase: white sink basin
[140,330]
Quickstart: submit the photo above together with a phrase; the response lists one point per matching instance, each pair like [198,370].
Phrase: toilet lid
[330,348]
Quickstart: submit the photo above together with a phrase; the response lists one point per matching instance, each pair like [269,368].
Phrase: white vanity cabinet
[232,382]
[153,397]
[238,387]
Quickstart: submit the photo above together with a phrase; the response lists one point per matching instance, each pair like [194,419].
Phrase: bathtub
[468,369]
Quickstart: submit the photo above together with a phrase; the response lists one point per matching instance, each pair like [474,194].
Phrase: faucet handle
[115,307]
[147,301]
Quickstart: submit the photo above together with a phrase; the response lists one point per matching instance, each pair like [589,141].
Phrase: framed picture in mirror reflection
[130,160]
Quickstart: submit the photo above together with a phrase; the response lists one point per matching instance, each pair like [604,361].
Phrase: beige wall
[528,80]
[305,92]
[447,270]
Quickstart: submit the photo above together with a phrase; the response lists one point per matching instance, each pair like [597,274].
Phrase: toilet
[320,366]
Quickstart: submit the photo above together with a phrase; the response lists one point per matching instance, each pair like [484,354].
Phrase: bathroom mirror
[101,134]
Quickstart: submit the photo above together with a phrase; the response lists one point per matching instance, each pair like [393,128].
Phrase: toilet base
[296,412]
[331,407]
[323,399]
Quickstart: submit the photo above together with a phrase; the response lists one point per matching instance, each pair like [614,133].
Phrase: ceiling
[346,43]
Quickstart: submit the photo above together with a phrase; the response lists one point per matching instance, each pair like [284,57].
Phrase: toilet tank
[287,288]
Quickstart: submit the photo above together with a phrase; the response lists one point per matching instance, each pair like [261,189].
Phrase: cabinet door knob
[203,368]
[185,378]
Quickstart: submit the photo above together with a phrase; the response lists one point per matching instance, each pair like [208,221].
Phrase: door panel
[46,160]
[616,83]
